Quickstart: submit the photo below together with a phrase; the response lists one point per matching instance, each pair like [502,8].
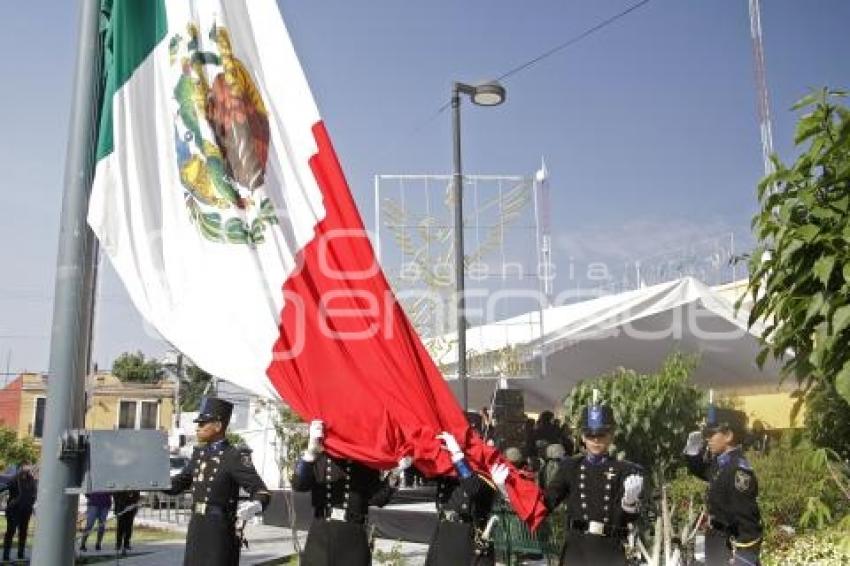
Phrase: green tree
[828,420]
[192,386]
[654,412]
[135,367]
[14,450]
[800,270]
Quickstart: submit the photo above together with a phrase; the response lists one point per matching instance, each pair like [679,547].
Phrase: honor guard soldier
[214,474]
[463,508]
[602,494]
[734,524]
[341,491]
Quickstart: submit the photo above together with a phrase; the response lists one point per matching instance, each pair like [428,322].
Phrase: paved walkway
[265,544]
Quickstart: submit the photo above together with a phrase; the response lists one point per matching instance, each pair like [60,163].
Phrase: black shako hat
[721,419]
[214,409]
[597,419]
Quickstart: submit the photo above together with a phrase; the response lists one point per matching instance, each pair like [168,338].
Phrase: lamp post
[485,94]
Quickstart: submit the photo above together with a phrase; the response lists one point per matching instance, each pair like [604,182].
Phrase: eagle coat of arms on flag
[221,138]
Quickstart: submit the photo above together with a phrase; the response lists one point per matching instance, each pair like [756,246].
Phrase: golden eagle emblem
[221,138]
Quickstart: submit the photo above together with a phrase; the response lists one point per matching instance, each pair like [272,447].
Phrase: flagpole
[70,340]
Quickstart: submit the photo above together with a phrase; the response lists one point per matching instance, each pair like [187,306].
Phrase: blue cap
[720,419]
[597,418]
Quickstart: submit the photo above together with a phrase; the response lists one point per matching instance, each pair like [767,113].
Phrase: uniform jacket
[732,494]
[341,483]
[469,499]
[592,489]
[215,473]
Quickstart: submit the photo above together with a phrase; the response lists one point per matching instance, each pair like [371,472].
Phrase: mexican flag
[222,206]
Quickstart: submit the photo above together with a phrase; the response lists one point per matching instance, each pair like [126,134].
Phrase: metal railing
[175,509]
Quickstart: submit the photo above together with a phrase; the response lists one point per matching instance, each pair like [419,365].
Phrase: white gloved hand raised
[632,486]
[248,509]
[314,442]
[694,445]
[500,472]
[451,445]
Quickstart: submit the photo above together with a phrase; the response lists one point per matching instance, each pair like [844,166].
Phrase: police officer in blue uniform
[602,495]
[215,473]
[341,492]
[464,503]
[734,528]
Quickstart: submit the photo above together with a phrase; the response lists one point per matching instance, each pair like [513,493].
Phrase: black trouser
[454,543]
[336,543]
[124,531]
[18,521]
[583,548]
[212,541]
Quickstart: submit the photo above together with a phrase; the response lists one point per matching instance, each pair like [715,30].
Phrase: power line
[573,40]
[542,56]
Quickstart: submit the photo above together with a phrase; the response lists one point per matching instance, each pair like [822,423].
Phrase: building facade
[110,404]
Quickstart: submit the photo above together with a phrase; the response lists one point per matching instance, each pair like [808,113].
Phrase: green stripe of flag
[134,28]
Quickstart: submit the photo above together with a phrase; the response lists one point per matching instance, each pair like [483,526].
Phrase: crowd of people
[98,506]
[602,496]
[21,489]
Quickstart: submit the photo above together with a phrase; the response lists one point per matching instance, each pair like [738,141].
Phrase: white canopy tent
[634,330]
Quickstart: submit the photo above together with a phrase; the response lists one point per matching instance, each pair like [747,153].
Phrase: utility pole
[762,100]
[177,389]
[70,342]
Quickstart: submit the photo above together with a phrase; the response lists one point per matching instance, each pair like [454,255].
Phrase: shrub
[796,488]
[14,450]
[828,420]
[654,412]
[823,548]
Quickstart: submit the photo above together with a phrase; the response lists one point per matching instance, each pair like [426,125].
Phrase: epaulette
[744,464]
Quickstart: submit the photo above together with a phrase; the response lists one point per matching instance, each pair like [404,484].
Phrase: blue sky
[648,126]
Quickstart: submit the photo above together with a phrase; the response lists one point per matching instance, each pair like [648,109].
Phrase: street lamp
[485,94]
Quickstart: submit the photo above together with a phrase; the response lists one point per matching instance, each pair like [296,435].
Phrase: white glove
[248,509]
[395,474]
[632,487]
[314,443]
[694,445]
[451,445]
[405,463]
[500,473]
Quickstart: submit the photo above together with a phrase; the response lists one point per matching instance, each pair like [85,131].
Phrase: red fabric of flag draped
[348,355]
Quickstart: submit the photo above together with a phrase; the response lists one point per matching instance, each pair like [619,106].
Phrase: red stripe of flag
[348,355]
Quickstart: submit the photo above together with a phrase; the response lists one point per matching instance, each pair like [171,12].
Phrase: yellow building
[771,404]
[110,404]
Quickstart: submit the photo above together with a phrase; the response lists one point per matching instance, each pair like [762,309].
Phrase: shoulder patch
[246,460]
[743,480]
